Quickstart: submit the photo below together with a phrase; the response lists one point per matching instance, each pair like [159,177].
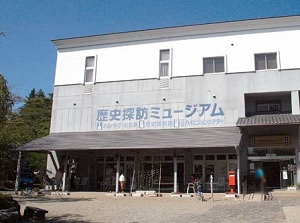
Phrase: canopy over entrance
[135,139]
[269,120]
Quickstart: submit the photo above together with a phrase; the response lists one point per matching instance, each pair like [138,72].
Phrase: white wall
[140,61]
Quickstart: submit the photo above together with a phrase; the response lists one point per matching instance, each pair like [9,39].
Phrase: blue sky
[28,57]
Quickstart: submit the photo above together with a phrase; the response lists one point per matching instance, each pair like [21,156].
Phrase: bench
[34,214]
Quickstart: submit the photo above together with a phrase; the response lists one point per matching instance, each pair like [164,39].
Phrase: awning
[264,120]
[137,139]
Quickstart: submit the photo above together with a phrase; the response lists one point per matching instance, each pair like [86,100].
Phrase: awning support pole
[175,173]
[17,184]
[65,172]
[237,149]
[118,173]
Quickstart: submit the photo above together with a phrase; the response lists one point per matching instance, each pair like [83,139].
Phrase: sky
[28,57]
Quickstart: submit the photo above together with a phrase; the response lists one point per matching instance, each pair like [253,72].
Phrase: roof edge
[179,31]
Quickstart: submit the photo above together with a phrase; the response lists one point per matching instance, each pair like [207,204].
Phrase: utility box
[231,180]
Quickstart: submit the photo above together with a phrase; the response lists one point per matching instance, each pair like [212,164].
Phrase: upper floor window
[265,61]
[268,106]
[165,63]
[213,65]
[90,63]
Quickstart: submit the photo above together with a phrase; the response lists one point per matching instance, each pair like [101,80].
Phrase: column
[17,184]
[117,173]
[175,173]
[295,102]
[237,149]
[65,173]
[297,153]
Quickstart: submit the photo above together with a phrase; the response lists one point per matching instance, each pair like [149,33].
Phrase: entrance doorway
[272,173]
[278,170]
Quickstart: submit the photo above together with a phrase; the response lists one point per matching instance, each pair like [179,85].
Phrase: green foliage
[30,122]
[36,112]
[6,99]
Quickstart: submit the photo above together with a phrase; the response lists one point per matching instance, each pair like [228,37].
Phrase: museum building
[161,104]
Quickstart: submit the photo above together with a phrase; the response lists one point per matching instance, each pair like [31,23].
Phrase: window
[213,65]
[268,107]
[164,63]
[232,156]
[221,157]
[90,63]
[265,61]
[210,157]
[198,157]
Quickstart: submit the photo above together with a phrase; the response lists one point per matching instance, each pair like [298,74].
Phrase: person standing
[261,181]
[72,177]
[122,182]
[58,179]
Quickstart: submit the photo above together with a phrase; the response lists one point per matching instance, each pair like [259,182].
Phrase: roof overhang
[275,23]
[137,139]
[269,120]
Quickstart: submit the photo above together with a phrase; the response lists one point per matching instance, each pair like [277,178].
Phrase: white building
[159,105]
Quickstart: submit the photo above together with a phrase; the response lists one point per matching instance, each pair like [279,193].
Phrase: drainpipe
[237,149]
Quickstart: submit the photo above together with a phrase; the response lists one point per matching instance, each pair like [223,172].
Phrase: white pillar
[297,153]
[52,164]
[211,187]
[175,174]
[237,149]
[295,102]
[65,173]
[117,174]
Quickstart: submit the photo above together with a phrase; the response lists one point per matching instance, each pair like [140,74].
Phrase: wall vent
[164,83]
[88,88]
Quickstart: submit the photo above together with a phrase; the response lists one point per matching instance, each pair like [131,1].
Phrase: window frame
[93,68]
[213,58]
[169,62]
[266,61]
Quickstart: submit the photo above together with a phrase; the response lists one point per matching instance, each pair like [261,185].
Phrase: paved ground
[88,207]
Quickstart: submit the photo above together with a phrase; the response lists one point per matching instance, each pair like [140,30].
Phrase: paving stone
[97,207]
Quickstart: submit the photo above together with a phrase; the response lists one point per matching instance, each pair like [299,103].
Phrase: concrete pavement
[88,207]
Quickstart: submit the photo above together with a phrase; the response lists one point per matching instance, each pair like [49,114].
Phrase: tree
[6,99]
[29,122]
[36,112]
[35,116]
[6,104]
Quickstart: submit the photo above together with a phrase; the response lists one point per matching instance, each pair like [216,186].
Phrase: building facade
[159,105]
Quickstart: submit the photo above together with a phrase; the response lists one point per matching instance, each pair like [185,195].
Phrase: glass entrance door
[272,173]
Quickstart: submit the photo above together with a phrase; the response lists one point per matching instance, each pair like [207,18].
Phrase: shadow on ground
[44,199]
[66,218]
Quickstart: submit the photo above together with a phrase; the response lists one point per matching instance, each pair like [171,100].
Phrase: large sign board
[159,116]
[263,141]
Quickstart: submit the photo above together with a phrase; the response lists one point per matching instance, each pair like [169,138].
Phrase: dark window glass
[168,158]
[265,61]
[271,61]
[210,157]
[221,157]
[147,158]
[232,156]
[110,158]
[213,65]
[129,158]
[208,65]
[219,64]
[198,157]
